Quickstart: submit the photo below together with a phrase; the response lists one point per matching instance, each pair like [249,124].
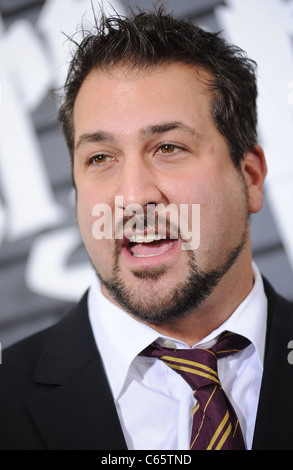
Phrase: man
[158,114]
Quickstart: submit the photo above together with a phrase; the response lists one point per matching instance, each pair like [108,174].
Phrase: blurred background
[43,266]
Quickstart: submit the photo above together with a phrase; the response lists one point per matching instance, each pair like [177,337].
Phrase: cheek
[223,213]
[94,214]
[85,204]
[84,207]
[100,251]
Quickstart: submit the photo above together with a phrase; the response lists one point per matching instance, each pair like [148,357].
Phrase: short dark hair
[155,38]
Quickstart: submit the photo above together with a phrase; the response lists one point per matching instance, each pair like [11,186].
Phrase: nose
[139,184]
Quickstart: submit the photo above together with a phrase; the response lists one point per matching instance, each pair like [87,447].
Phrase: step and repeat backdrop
[43,266]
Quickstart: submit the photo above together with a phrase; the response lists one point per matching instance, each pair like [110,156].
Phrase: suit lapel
[275,412]
[73,406]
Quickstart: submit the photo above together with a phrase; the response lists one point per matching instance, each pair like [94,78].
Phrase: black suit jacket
[54,393]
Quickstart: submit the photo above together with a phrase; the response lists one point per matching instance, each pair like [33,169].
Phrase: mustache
[128,226]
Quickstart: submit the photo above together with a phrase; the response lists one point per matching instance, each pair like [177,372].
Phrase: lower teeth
[146,256]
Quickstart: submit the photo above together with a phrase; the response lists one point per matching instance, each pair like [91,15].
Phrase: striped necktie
[215,424]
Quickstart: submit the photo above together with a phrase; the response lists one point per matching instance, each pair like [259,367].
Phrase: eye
[99,159]
[168,149]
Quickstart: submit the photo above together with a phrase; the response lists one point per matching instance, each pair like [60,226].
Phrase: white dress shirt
[154,404]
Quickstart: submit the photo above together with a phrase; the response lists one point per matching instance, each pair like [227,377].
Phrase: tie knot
[229,343]
[198,366]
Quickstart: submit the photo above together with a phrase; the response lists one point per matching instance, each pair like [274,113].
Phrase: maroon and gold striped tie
[215,424]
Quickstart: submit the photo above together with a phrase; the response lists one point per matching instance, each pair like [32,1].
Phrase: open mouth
[149,245]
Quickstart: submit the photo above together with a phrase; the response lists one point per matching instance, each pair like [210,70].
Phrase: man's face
[149,138]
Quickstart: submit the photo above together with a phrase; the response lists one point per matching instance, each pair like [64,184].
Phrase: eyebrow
[103,136]
[165,127]
[92,137]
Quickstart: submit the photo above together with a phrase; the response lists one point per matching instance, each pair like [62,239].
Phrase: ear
[254,169]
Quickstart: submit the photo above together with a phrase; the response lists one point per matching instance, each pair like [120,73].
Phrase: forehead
[129,99]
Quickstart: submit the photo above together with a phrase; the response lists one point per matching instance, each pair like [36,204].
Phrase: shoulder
[23,355]
[33,367]
[20,360]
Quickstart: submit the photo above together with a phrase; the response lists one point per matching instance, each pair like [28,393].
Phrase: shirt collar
[120,337]
[249,319]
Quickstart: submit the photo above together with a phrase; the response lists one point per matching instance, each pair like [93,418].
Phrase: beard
[148,305]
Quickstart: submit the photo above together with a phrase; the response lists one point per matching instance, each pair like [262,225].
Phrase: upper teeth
[148,238]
